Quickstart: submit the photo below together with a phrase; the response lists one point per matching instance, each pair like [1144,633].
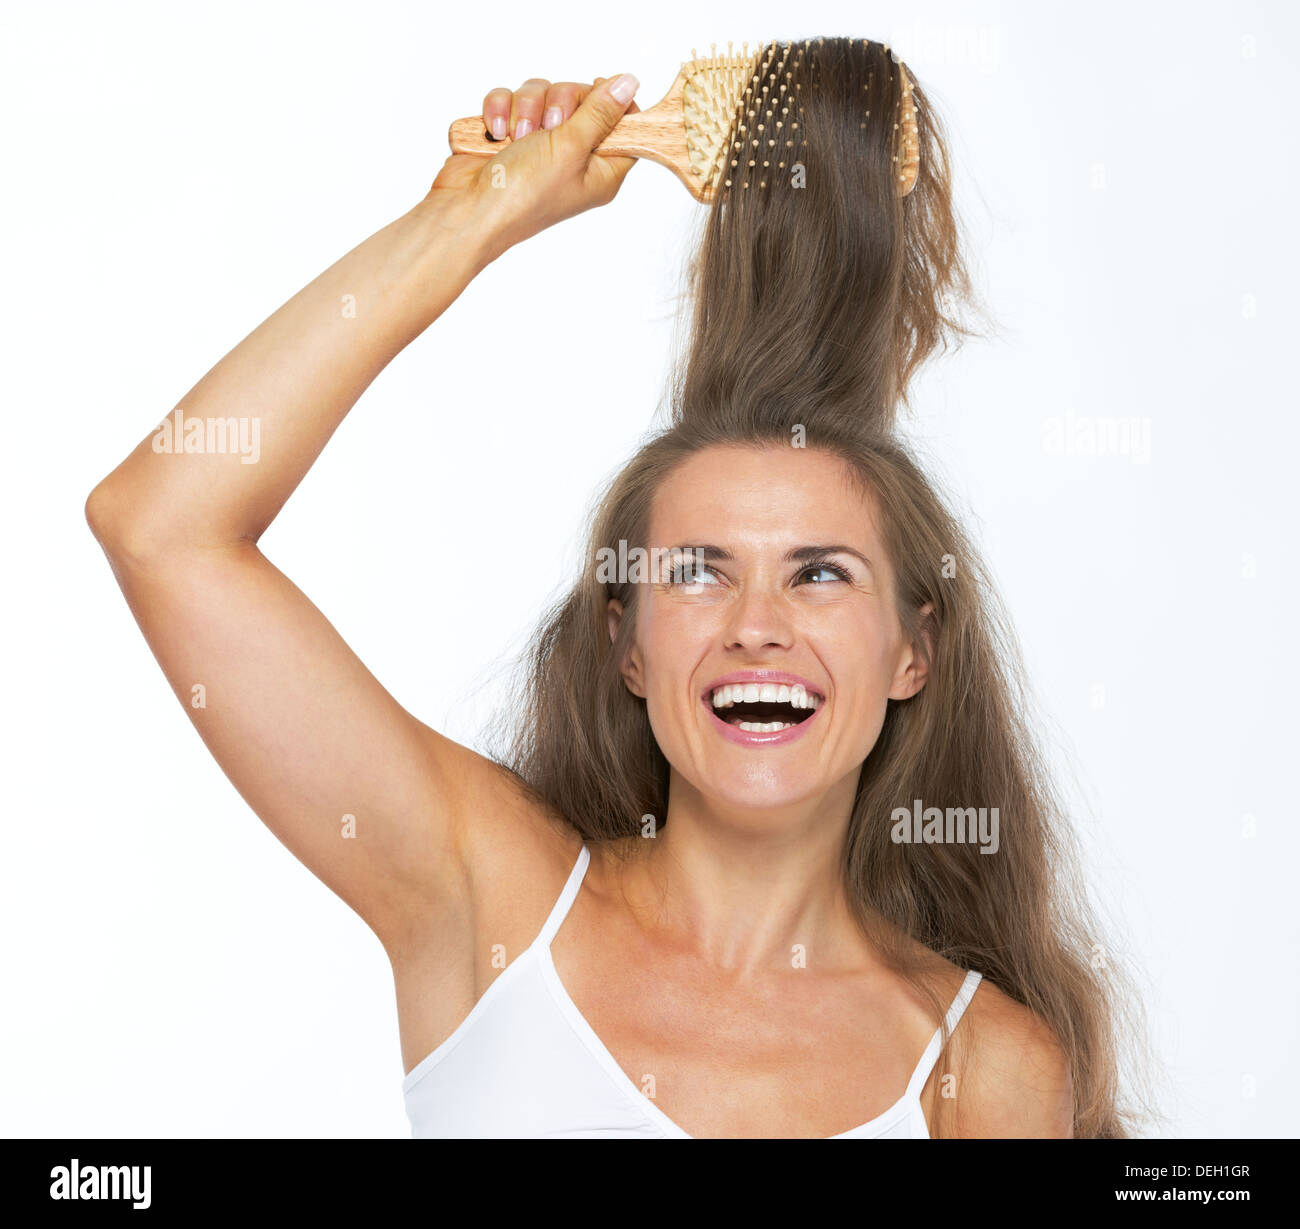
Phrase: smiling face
[795,593]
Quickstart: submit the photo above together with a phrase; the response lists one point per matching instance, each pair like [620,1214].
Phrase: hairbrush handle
[658,134]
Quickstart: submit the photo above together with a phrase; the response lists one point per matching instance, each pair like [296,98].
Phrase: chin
[760,790]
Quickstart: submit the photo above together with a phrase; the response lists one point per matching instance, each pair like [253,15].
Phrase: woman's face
[766,673]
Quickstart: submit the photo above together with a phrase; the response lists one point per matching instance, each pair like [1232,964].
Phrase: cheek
[863,663]
[673,638]
[870,699]
[668,626]
[879,664]
[858,643]
[662,637]
[863,667]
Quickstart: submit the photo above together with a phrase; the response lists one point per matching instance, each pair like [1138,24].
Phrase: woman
[688,899]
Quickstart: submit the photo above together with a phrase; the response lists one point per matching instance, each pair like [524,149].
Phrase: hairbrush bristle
[909,146]
[740,113]
[717,91]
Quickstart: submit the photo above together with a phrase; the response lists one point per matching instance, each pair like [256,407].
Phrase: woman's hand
[547,172]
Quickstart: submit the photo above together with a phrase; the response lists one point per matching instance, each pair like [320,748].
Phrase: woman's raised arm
[306,734]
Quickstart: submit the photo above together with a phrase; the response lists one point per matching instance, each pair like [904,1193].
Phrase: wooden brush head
[764,116]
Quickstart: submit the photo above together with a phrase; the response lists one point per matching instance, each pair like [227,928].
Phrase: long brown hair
[815,282]
[583,742]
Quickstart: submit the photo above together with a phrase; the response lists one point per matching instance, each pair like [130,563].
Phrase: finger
[562,100]
[607,171]
[602,108]
[526,112]
[496,112]
[584,90]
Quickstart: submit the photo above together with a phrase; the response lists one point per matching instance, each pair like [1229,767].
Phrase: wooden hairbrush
[688,129]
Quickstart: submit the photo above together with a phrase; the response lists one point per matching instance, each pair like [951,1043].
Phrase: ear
[631,666]
[912,667]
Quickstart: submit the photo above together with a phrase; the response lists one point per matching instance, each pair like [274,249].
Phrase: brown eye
[836,573]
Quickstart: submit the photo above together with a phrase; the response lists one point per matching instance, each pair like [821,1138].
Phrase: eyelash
[675,577]
[828,567]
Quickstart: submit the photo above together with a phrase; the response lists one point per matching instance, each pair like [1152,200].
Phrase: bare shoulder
[1016,1081]
[513,847]
[512,852]
[508,833]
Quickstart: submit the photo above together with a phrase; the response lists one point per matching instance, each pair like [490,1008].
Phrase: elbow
[134,529]
[98,511]
[119,531]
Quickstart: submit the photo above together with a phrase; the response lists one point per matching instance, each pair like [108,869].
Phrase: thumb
[603,107]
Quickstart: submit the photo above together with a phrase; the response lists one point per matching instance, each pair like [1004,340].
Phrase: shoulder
[1015,1080]
[512,854]
[513,845]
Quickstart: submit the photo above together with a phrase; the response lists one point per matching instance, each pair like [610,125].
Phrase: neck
[744,891]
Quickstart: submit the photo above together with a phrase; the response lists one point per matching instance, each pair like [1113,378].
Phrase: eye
[688,572]
[835,573]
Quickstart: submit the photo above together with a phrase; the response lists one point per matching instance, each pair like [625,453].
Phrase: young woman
[689,898]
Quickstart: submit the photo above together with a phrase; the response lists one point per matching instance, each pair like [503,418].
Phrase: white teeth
[765,693]
[764,727]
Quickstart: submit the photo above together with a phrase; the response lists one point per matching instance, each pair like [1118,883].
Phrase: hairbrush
[688,129]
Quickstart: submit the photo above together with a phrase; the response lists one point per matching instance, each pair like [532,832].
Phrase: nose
[758,620]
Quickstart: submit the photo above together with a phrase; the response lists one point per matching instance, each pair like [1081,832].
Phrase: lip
[751,738]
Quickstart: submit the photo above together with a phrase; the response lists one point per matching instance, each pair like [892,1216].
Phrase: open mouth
[763,708]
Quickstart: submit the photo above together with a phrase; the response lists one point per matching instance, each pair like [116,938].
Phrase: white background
[174,173]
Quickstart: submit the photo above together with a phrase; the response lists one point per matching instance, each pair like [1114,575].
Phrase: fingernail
[553,118]
[523,128]
[498,127]
[623,87]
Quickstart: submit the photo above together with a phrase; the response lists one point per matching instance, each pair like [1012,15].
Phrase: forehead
[737,496]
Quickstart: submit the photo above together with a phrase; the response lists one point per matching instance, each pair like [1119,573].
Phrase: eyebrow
[799,554]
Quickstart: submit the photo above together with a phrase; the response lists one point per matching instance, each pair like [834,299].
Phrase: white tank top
[525,1063]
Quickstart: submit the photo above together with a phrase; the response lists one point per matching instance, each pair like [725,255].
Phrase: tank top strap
[567,897]
[931,1055]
